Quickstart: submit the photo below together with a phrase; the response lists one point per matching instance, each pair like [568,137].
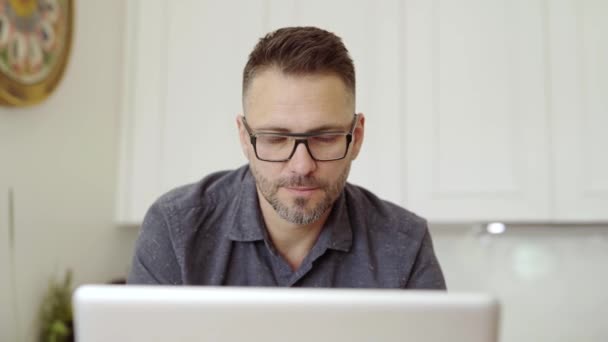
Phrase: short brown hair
[301,50]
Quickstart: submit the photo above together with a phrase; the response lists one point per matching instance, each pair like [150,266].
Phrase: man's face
[300,190]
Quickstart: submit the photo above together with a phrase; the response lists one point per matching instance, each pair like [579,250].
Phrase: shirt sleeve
[154,260]
[426,272]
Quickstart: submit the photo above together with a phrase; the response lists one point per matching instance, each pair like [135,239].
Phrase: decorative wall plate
[35,39]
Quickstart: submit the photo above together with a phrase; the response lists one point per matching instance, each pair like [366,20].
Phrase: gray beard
[296,212]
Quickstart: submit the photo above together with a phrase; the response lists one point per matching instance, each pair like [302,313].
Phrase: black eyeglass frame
[304,140]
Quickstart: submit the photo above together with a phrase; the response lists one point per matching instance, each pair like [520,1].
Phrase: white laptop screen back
[157,313]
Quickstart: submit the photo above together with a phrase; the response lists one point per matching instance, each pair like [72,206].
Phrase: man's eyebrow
[322,128]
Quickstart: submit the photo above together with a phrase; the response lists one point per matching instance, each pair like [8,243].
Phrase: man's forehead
[270,124]
[314,99]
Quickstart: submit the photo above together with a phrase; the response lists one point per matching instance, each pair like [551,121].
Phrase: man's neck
[292,241]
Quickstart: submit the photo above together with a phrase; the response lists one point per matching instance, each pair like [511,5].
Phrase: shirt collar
[248,224]
[338,227]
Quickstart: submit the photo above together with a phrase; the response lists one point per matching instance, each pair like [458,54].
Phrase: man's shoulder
[211,190]
[383,215]
[396,238]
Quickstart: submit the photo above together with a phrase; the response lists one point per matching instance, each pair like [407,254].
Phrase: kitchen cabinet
[506,110]
[476,110]
[578,32]
[476,134]
[183,67]
[182,93]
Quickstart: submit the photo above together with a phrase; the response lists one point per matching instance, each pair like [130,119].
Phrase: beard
[298,211]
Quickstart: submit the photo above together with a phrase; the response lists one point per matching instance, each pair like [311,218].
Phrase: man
[288,218]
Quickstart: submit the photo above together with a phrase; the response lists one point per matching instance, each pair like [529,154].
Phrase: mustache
[300,181]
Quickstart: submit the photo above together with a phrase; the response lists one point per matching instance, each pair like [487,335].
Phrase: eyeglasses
[280,147]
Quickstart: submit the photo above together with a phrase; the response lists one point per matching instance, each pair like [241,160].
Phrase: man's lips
[301,189]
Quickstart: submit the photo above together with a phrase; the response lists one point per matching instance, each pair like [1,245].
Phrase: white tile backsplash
[552,281]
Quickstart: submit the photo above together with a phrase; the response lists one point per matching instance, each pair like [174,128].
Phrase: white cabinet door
[208,45]
[7,318]
[475,135]
[184,61]
[371,32]
[578,32]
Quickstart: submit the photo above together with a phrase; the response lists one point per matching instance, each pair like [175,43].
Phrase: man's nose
[302,162]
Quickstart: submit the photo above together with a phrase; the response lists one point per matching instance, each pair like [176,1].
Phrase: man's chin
[299,204]
[301,216]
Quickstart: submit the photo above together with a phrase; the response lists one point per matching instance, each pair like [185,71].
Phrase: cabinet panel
[579,101]
[183,68]
[139,181]
[475,134]
[206,55]
[371,32]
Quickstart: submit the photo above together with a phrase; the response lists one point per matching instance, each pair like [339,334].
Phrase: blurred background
[487,117]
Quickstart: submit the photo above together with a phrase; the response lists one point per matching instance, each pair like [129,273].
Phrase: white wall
[60,158]
[551,280]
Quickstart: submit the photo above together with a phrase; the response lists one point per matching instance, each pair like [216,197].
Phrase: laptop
[228,314]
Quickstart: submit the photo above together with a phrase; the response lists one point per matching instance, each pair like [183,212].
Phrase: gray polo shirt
[212,233]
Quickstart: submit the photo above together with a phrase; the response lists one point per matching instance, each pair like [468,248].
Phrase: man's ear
[243,135]
[358,135]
